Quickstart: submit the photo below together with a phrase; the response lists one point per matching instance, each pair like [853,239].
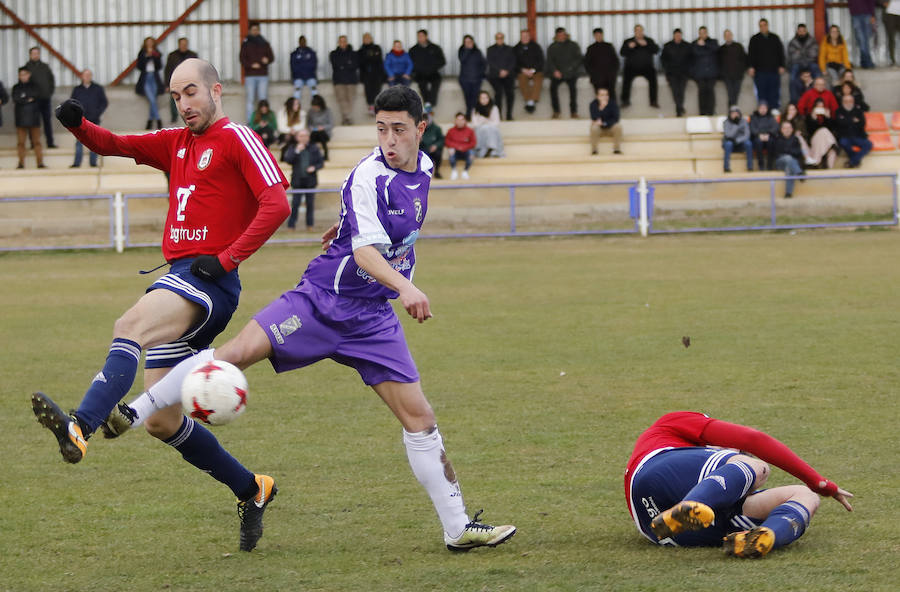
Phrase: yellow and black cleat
[681,517]
[750,544]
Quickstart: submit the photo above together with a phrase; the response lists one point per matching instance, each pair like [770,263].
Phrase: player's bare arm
[413,300]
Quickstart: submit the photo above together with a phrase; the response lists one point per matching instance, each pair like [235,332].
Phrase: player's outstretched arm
[413,300]
[842,496]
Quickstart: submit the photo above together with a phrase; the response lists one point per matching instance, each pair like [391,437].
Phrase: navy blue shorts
[664,479]
[219,299]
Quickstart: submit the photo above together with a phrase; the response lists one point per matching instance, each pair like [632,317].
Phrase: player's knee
[760,468]
[163,425]
[808,498]
[127,326]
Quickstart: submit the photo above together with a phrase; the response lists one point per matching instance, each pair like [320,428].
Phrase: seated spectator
[605,121]
[818,91]
[822,143]
[763,129]
[398,66]
[848,78]
[263,122]
[305,160]
[850,128]
[788,156]
[291,119]
[799,123]
[736,138]
[799,85]
[833,56]
[486,122]
[803,53]
[460,142]
[320,122]
[432,142]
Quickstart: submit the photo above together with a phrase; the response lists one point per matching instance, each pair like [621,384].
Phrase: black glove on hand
[207,267]
[70,113]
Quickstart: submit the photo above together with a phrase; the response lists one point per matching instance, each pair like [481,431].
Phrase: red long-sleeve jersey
[226,192]
[687,428]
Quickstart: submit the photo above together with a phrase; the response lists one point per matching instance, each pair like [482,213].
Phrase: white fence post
[119,207]
[643,223]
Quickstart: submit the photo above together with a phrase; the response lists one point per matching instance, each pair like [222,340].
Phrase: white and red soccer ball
[215,392]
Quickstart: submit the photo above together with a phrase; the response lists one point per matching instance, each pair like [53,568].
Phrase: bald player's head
[198,69]
[197,92]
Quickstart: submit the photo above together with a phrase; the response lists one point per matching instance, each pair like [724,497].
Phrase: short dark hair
[598,30]
[802,25]
[676,31]
[764,20]
[252,24]
[400,98]
[180,39]
[423,32]
[460,114]
[24,69]
[560,30]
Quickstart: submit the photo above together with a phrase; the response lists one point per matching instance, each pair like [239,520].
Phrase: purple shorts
[308,324]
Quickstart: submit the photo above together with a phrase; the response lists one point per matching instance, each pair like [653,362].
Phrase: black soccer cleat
[67,428]
[251,512]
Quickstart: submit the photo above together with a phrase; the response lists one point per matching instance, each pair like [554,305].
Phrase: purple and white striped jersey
[382,207]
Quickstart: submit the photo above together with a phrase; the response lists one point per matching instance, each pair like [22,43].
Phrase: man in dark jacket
[42,78]
[676,63]
[850,129]
[432,142]
[602,64]
[639,52]
[766,53]
[93,99]
[304,63]
[371,69]
[803,53]
[305,160]
[705,70]
[605,121]
[28,117]
[172,61]
[344,77]
[530,69]
[501,61]
[732,65]
[256,55]
[4,99]
[564,62]
[428,59]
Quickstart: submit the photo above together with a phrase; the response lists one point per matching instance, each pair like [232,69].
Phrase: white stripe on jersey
[258,151]
[337,274]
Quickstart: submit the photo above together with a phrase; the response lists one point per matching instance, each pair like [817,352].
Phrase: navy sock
[111,384]
[788,521]
[724,486]
[199,447]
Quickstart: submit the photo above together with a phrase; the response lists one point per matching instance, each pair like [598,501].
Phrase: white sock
[425,451]
[167,391]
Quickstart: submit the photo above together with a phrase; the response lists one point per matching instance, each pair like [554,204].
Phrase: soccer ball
[214,392]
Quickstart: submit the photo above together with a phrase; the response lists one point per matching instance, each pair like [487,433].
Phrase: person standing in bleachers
[28,117]
[803,53]
[705,70]
[93,100]
[891,20]
[530,69]
[4,99]
[766,54]
[255,57]
[850,129]
[371,70]
[501,74]
[676,62]
[564,65]
[42,78]
[862,16]
[149,84]
[344,77]
[639,52]
[304,63]
[471,71]
[172,60]
[428,59]
[602,64]
[732,66]
[736,138]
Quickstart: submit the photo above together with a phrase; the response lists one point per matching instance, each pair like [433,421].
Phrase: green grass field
[544,361]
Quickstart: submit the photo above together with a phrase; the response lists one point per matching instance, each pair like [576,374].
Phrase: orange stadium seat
[895,120]
[875,122]
[881,141]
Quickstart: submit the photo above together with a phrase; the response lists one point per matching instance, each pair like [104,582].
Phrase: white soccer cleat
[476,534]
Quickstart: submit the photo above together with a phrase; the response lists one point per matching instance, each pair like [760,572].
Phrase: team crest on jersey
[204,159]
[417,203]
[181,153]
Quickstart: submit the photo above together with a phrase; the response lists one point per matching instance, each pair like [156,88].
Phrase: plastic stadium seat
[895,120]
[881,141]
[875,122]
[698,125]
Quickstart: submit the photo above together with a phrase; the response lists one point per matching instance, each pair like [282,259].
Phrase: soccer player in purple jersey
[340,310]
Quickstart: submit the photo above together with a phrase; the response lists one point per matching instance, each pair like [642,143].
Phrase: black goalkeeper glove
[70,113]
[207,267]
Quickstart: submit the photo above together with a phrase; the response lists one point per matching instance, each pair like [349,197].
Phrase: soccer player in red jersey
[687,485]
[226,198]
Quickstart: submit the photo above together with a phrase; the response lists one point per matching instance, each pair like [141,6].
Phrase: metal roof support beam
[30,30]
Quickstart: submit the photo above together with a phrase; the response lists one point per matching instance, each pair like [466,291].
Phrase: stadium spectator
[850,129]
[766,57]
[501,73]
[736,138]
[320,122]
[428,59]
[862,16]
[848,85]
[149,84]
[602,64]
[605,121]
[238,194]
[4,99]
[530,68]
[181,53]
[304,63]
[371,70]
[291,119]
[305,159]
[564,65]
[819,90]
[42,78]
[93,99]
[732,66]
[675,60]
[801,84]
[691,481]
[763,129]
[891,19]
[471,71]
[819,125]
[705,70]
[799,124]
[833,55]
[638,53]
[264,123]
[344,77]
[255,57]
[25,95]
[486,123]
[398,66]
[460,142]
[803,53]
[432,142]
[788,156]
